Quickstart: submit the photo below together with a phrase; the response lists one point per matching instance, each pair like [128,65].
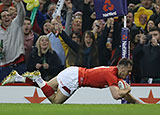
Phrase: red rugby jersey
[99,77]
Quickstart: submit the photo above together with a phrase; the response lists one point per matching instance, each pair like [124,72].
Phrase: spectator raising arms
[11,32]
[56,41]
[87,49]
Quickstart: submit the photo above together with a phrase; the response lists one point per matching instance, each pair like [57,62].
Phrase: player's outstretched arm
[129,98]
[119,93]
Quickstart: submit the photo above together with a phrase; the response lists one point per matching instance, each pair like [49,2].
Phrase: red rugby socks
[47,90]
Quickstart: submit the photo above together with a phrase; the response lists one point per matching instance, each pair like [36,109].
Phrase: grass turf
[78,109]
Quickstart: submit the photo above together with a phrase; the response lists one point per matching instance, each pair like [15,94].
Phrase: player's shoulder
[113,68]
[109,68]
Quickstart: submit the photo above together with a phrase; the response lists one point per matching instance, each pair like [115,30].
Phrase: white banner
[31,94]
[58,9]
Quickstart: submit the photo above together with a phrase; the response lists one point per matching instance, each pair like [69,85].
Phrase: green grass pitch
[79,109]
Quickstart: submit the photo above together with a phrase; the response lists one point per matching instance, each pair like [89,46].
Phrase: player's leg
[52,91]
[53,83]
[58,97]
[67,84]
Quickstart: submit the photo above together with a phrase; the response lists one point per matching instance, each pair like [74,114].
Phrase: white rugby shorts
[68,80]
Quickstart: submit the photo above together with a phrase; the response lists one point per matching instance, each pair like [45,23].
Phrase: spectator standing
[147,58]
[87,50]
[39,18]
[73,21]
[46,27]
[30,38]
[142,16]
[44,59]
[71,55]
[11,32]
[46,4]
[50,11]
[56,41]
[12,11]
[147,4]
[87,16]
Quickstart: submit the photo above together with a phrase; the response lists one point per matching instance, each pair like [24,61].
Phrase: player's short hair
[125,62]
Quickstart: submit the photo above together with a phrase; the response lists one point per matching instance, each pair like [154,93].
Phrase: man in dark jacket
[147,57]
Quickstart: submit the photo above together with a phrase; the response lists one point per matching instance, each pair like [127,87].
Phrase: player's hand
[128,87]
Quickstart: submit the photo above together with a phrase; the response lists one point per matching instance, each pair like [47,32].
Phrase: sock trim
[41,83]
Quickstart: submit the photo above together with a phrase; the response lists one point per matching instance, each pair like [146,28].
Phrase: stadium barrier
[25,93]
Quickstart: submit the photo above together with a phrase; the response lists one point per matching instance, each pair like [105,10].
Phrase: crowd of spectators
[77,38]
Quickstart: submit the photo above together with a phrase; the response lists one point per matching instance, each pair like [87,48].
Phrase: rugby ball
[122,84]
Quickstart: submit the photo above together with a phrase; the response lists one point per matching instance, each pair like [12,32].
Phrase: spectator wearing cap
[78,14]
[73,21]
[142,16]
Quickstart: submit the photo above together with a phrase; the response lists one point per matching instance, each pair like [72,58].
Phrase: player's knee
[56,101]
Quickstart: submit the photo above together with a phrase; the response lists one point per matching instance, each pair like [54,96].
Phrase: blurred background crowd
[76,38]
